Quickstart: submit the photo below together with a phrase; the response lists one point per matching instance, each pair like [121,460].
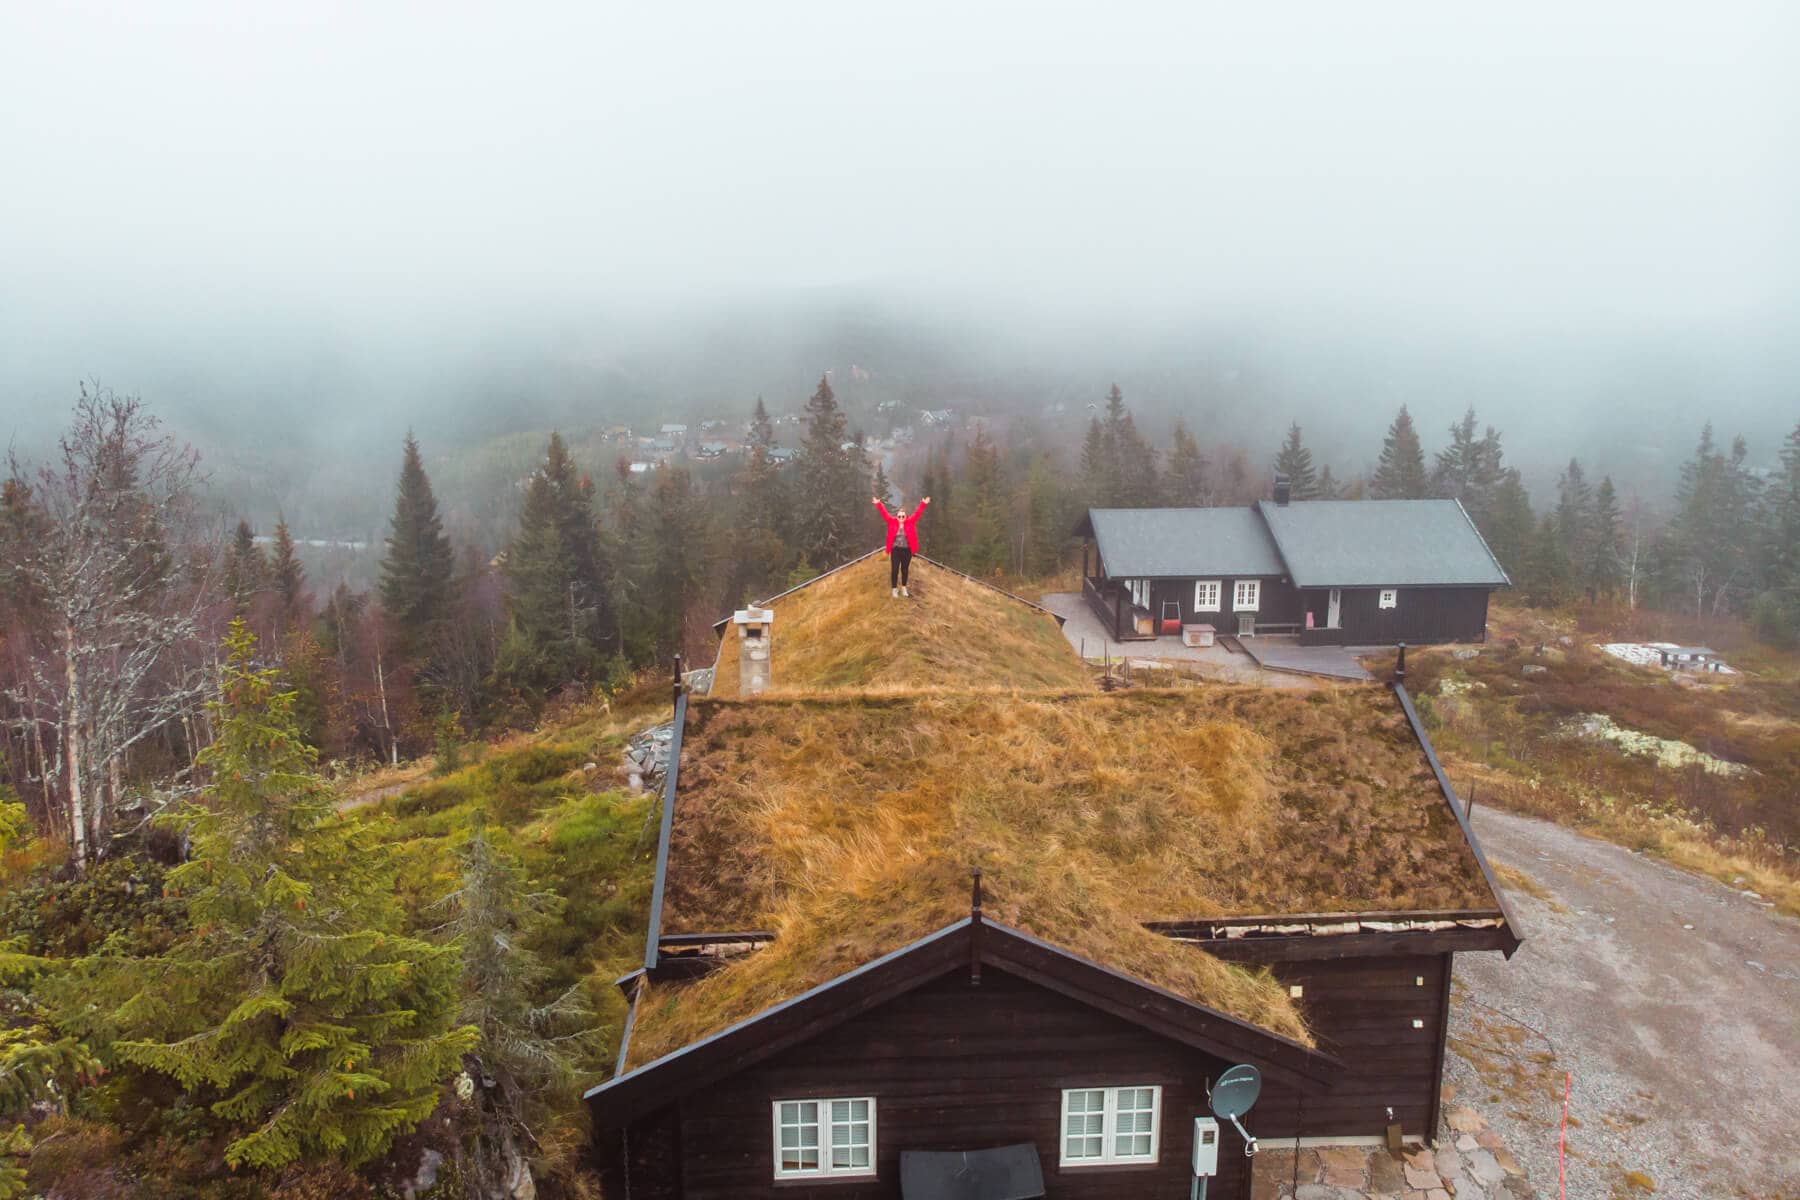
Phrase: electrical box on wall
[1206,1146]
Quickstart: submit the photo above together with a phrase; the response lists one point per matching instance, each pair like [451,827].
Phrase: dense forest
[210,968]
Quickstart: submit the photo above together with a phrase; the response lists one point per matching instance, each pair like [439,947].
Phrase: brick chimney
[754,627]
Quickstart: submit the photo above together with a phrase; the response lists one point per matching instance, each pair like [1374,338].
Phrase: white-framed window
[1389,598]
[1246,594]
[1110,1126]
[1206,595]
[825,1137]
[1140,592]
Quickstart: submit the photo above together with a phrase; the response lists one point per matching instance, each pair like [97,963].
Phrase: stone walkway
[1468,1164]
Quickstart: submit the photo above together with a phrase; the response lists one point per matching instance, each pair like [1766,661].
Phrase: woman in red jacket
[902,543]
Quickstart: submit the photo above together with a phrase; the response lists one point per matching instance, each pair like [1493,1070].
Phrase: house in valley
[922,888]
[1330,572]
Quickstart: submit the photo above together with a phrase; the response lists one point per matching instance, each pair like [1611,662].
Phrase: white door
[1332,605]
[1246,624]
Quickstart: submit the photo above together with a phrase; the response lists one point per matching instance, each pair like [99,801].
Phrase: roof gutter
[1462,817]
[671,777]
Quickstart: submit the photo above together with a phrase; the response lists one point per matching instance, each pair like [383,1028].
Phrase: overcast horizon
[340,208]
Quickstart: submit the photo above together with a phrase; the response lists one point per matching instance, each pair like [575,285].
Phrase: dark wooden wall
[1362,1010]
[1422,615]
[1279,604]
[952,1068]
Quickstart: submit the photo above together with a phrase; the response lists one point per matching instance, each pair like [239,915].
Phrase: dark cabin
[1329,572]
[825,989]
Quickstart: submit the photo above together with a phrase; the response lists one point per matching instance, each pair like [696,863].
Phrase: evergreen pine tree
[1096,467]
[829,480]
[287,575]
[1603,571]
[1137,470]
[986,545]
[677,559]
[557,589]
[1776,611]
[295,1004]
[1328,488]
[416,571]
[1400,472]
[244,567]
[1295,461]
[1509,526]
[1575,514]
[881,489]
[1186,480]
[1547,566]
[530,1045]
[756,546]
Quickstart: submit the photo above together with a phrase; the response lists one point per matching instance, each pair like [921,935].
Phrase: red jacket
[895,525]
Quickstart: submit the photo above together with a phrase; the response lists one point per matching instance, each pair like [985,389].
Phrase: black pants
[899,562]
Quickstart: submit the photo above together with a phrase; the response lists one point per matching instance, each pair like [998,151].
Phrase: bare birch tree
[115,577]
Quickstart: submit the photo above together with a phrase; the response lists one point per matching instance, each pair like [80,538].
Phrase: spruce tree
[1777,608]
[1186,481]
[530,1045]
[677,530]
[556,584]
[416,571]
[830,475]
[757,551]
[244,567]
[1327,486]
[1096,467]
[1400,473]
[286,573]
[1603,571]
[1575,514]
[881,489]
[1509,526]
[1547,566]
[295,1005]
[986,544]
[1295,461]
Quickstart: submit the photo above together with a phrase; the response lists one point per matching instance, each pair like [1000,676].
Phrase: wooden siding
[1362,1010]
[1422,615]
[951,1067]
[1279,604]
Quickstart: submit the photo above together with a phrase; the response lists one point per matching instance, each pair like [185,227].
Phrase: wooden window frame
[824,1171]
[1237,587]
[1388,598]
[1218,595]
[1109,1126]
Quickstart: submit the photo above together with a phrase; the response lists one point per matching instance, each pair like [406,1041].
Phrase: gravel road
[1675,1002]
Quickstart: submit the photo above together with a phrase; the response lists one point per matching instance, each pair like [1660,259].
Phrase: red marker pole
[1562,1140]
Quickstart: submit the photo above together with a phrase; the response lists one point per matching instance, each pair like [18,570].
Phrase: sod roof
[847,825]
[844,632]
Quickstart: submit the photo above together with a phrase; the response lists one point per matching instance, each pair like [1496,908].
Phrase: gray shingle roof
[1377,543]
[1149,543]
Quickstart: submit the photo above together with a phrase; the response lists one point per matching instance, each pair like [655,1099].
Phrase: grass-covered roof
[844,632]
[847,825]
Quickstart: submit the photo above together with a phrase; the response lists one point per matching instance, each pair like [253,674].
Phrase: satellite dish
[1234,1095]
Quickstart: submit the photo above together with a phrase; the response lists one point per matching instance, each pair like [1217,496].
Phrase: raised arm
[880,507]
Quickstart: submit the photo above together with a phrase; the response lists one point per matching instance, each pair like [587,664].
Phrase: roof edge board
[1456,811]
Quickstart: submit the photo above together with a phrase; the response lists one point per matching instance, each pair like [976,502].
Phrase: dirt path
[1674,1000]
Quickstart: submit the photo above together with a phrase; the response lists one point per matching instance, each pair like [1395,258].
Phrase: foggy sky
[228,191]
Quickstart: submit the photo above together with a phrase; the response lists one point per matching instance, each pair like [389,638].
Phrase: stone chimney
[1284,490]
[754,626]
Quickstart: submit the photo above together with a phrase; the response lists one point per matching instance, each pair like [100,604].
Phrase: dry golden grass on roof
[844,632]
[847,826]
